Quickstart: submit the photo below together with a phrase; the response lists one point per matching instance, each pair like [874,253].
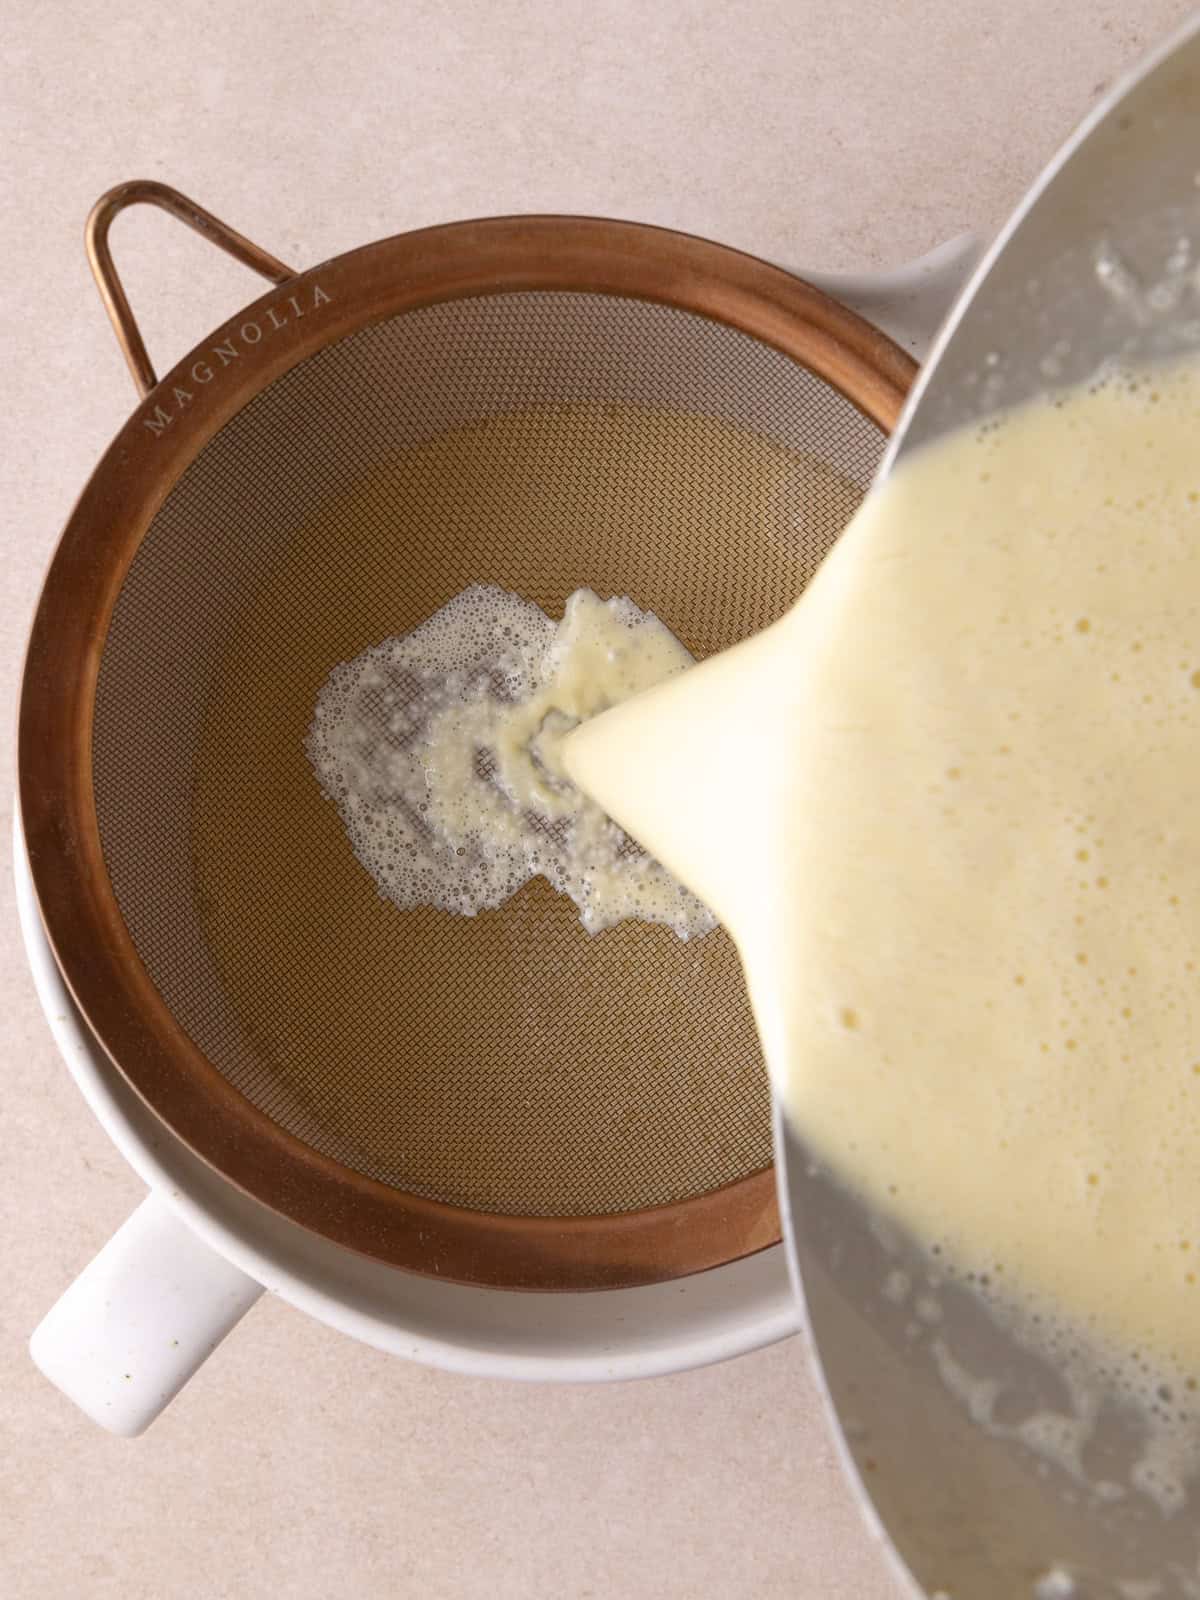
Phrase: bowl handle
[145,191]
[140,1319]
[908,303]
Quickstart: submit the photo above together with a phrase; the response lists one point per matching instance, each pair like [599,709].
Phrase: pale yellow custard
[441,749]
[949,807]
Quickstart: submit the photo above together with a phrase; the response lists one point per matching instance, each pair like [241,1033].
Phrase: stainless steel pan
[1099,261]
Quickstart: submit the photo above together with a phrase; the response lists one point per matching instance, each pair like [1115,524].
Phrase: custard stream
[949,808]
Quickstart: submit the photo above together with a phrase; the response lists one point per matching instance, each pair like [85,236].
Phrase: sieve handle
[140,1319]
[145,191]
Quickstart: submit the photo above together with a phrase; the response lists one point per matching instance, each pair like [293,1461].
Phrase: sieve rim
[87,934]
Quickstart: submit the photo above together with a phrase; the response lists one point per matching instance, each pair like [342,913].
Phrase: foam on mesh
[439,749]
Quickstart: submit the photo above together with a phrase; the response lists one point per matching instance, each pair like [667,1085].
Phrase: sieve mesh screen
[542,441]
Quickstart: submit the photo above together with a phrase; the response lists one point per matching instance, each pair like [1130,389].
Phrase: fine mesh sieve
[503,1098]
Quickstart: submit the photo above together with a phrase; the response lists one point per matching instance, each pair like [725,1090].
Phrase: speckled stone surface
[298,1463]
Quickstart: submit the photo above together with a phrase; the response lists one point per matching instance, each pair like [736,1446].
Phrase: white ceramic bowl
[194,1257]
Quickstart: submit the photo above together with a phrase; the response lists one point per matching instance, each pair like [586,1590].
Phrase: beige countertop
[843,136]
